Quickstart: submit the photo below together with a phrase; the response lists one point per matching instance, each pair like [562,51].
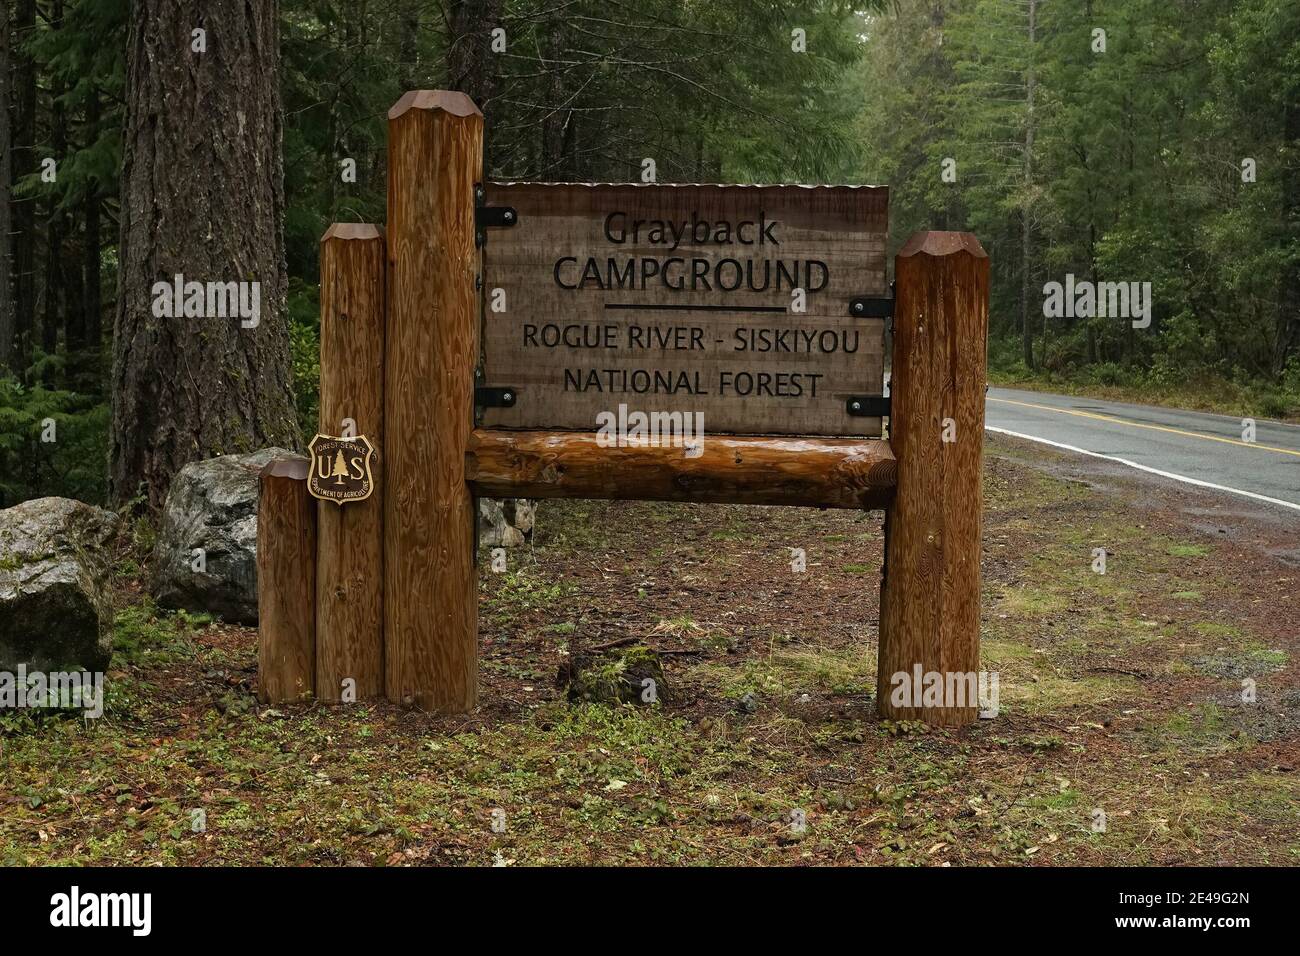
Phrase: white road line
[1111,410]
[1155,471]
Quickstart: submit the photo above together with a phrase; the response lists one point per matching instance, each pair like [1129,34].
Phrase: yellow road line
[1159,428]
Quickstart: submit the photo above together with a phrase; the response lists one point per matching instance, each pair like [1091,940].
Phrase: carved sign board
[732,302]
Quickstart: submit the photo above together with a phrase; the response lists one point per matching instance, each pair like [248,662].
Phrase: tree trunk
[471,64]
[22,162]
[203,197]
[1288,314]
[84,327]
[1026,221]
[408,51]
[7,315]
[55,297]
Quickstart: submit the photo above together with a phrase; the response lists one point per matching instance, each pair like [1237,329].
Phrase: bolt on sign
[735,302]
[340,469]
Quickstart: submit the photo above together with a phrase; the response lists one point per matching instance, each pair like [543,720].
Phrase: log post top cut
[353,230]
[936,243]
[295,467]
[448,101]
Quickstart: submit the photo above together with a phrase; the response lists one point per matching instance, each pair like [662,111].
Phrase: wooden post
[286,582]
[930,597]
[350,539]
[435,156]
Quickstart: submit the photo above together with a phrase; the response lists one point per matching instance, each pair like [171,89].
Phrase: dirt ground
[1121,737]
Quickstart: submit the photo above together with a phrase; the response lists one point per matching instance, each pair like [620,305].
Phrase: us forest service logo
[340,469]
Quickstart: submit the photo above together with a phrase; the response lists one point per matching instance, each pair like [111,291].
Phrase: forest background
[1116,140]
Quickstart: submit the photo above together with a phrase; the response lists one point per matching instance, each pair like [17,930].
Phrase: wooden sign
[340,469]
[589,307]
[731,304]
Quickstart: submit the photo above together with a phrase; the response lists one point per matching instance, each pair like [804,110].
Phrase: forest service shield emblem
[340,469]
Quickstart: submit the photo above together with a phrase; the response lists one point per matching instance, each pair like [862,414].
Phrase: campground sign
[730,301]
[483,338]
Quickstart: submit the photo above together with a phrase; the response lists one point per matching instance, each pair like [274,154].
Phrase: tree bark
[22,162]
[1026,218]
[1288,315]
[471,67]
[56,229]
[203,197]
[408,58]
[7,314]
[85,330]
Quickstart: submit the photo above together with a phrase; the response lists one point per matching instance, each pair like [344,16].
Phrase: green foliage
[1115,165]
[85,54]
[1122,165]
[144,633]
[51,442]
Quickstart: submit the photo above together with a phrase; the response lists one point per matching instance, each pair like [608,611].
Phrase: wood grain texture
[677,298]
[350,558]
[435,153]
[286,582]
[776,470]
[930,597]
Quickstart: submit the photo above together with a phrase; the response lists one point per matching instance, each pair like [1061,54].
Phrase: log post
[810,472]
[286,582]
[350,539]
[930,596]
[435,155]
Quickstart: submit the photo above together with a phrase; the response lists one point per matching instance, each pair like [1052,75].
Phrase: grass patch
[1029,601]
[1096,678]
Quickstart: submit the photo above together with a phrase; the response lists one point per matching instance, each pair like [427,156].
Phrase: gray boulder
[55,612]
[505,522]
[205,559]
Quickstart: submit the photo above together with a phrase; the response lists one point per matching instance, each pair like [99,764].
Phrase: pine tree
[202,196]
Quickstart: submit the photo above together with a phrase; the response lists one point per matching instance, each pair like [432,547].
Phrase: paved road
[1194,447]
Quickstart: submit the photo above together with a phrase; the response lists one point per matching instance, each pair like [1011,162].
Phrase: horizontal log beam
[730,469]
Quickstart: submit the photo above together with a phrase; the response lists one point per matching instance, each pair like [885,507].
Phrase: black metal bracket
[867,406]
[489,397]
[490,217]
[869,307]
